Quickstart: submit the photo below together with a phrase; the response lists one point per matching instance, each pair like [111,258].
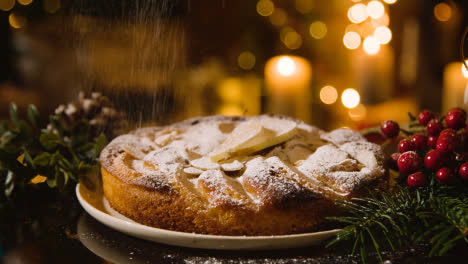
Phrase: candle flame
[286,66]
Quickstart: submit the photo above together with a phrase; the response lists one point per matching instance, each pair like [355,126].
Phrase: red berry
[425,116]
[463,171]
[390,128]
[433,160]
[409,162]
[432,141]
[446,144]
[455,118]
[406,145]
[419,140]
[416,179]
[445,175]
[434,127]
[448,132]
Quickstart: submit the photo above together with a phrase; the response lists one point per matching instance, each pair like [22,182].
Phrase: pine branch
[438,214]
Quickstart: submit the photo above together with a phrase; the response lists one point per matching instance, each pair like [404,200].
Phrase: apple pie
[261,175]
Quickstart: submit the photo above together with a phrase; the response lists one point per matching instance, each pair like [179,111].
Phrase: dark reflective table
[67,234]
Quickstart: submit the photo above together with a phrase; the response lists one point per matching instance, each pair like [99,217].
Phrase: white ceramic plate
[109,217]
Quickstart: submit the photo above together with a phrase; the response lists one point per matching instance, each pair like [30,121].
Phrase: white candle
[455,82]
[288,83]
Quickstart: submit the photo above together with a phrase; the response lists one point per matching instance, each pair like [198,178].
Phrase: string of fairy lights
[17,10]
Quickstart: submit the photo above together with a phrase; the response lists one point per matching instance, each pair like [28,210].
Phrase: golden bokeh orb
[371,45]
[350,98]
[442,12]
[328,94]
[318,30]
[246,60]
[352,40]
[265,7]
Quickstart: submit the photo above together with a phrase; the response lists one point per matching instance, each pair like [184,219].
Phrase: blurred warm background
[333,63]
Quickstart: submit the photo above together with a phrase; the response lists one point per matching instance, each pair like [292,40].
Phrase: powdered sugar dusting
[341,160]
[342,135]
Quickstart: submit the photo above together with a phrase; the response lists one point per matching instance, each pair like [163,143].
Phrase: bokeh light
[292,40]
[286,66]
[375,9]
[304,6]
[383,34]
[357,13]
[358,113]
[352,40]
[442,12]
[371,45]
[7,5]
[25,2]
[350,98]
[246,60]
[279,17]
[16,21]
[328,94]
[51,6]
[318,30]
[464,70]
[265,7]
[390,1]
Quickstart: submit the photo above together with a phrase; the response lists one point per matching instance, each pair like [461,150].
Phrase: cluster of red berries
[442,149]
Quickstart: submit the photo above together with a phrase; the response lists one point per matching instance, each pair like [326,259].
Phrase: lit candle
[288,80]
[455,82]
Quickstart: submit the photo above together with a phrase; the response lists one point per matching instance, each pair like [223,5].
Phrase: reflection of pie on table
[261,175]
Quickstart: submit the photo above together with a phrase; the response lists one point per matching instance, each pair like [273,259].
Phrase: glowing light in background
[328,94]
[286,66]
[375,9]
[25,2]
[292,40]
[352,40]
[7,5]
[390,1]
[371,45]
[357,13]
[464,70]
[230,110]
[230,90]
[265,7]
[442,12]
[358,113]
[318,30]
[350,98]
[383,34]
[51,6]
[304,6]
[246,60]
[279,17]
[16,21]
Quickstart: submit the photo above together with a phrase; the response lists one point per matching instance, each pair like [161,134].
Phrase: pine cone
[97,110]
